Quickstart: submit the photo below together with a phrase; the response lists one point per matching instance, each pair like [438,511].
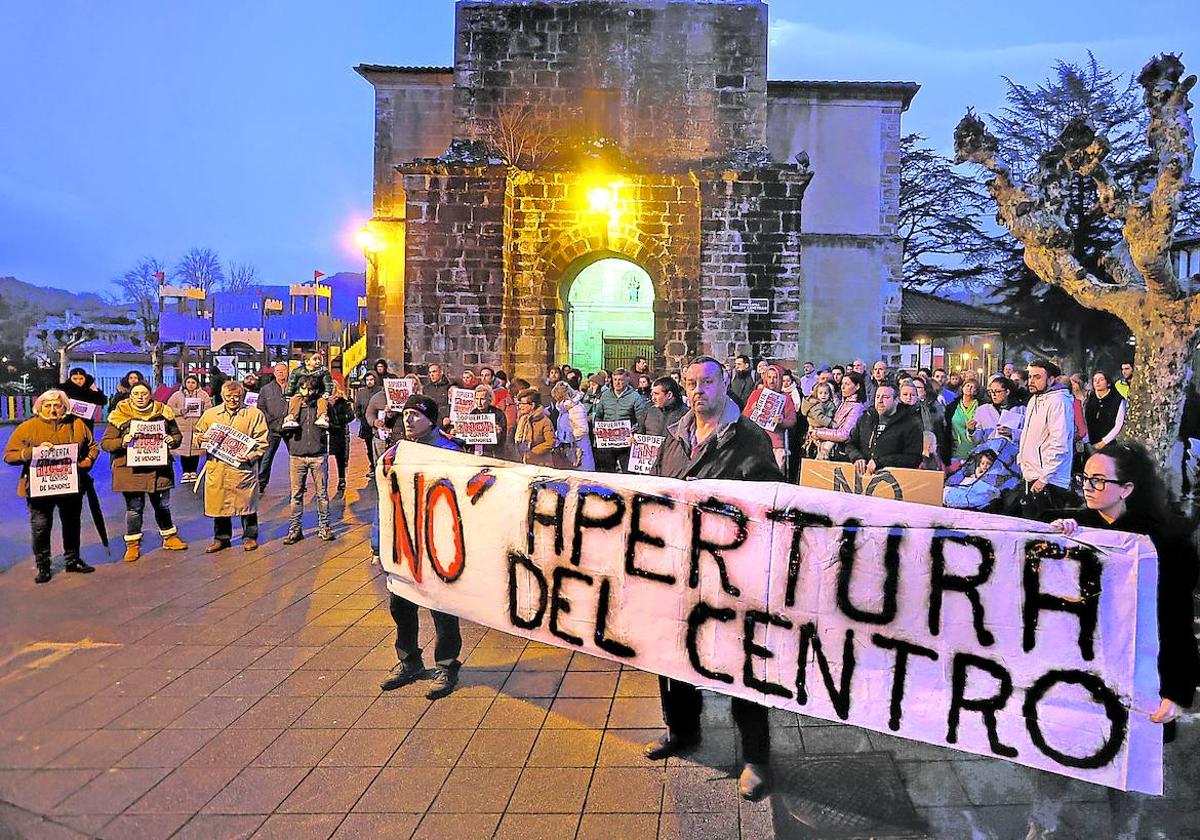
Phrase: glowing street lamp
[370,240]
[602,199]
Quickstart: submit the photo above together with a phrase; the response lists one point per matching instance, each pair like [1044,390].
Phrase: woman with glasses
[1000,398]
[1124,491]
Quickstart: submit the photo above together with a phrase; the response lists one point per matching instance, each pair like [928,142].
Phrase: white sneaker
[323,422]
[290,422]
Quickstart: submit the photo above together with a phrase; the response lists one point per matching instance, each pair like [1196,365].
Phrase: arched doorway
[610,315]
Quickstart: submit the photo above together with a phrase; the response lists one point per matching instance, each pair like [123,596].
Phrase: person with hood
[772,380]
[741,384]
[372,385]
[534,437]
[274,407]
[230,489]
[889,434]
[572,435]
[382,371]
[136,483]
[666,407]
[130,379]
[714,440]
[52,425]
[620,402]
[81,387]
[188,403]
[1044,455]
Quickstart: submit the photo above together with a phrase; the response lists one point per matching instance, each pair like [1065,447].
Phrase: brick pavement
[236,695]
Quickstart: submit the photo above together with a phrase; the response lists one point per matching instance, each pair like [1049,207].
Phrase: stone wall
[667,80]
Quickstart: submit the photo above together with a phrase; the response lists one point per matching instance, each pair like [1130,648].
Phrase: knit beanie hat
[423,404]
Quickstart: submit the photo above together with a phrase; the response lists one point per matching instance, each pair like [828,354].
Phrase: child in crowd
[314,365]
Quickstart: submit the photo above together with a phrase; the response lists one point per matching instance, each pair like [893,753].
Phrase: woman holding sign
[188,403]
[140,436]
[85,396]
[772,410]
[52,450]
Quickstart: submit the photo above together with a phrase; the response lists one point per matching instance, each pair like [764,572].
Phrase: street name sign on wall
[750,306]
[983,633]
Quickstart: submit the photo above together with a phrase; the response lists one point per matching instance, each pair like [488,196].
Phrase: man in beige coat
[232,490]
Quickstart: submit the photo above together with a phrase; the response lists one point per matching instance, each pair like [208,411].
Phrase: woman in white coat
[572,431]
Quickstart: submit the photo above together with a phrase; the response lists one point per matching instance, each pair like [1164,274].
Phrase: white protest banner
[398,390]
[613,434]
[54,471]
[227,444]
[984,633]
[644,453]
[251,399]
[476,428]
[84,410]
[922,486]
[193,406]
[148,446]
[462,401]
[768,408]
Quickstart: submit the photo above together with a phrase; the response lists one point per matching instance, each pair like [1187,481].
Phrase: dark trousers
[264,466]
[682,703]
[445,630]
[223,527]
[135,505]
[41,521]
[612,460]
[369,446]
[189,463]
[339,448]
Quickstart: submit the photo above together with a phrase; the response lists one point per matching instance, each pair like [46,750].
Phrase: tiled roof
[393,68]
[922,311]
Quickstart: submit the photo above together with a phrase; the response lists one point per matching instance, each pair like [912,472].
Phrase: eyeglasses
[1099,482]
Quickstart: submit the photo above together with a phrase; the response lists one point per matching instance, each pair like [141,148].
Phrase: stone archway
[609,307]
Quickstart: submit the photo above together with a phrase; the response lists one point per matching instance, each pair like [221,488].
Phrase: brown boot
[133,550]
[216,545]
[171,542]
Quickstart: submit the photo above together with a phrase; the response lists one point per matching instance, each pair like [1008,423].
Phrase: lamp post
[987,358]
[96,353]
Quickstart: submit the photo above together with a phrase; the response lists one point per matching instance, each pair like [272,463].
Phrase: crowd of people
[1026,441]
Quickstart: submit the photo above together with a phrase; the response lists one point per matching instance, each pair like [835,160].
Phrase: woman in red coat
[773,381]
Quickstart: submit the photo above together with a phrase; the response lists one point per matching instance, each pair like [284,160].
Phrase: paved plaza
[236,695]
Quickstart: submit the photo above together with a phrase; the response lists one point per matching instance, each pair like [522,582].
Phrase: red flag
[160,276]
[317,275]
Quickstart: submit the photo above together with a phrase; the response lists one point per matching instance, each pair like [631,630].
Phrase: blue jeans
[300,467]
[135,504]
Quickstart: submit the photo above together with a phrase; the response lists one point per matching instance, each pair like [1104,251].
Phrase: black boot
[78,566]
[43,575]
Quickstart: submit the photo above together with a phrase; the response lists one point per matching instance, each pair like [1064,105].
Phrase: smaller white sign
[85,410]
[477,429]
[54,471]
[644,453]
[768,409]
[193,406]
[462,401]
[148,446]
[1011,420]
[251,399]
[613,434]
[398,391]
[228,445]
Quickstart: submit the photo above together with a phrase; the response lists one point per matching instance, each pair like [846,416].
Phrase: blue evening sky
[132,129]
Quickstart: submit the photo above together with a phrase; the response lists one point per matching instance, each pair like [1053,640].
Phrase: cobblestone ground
[236,695]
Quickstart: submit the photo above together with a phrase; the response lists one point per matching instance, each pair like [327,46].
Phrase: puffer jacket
[630,405]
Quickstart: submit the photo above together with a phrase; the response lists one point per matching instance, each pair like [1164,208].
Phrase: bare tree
[521,134]
[199,268]
[240,277]
[1144,291]
[139,289]
[58,343]
[941,223]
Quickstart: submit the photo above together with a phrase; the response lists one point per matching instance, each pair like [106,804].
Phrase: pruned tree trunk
[64,364]
[1143,291]
[156,368]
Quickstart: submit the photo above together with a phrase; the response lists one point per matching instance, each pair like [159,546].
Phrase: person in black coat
[81,386]
[666,407]
[714,440]
[890,434]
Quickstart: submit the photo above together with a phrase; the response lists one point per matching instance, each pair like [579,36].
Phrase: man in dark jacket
[274,406]
[741,384]
[886,435]
[438,388]
[714,440]
[308,454]
[666,407]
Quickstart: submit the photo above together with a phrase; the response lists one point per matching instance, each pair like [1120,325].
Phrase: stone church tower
[597,179]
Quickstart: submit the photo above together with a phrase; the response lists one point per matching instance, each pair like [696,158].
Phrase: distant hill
[24,304]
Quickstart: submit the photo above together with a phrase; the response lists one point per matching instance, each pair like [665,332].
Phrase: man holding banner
[52,449]
[714,440]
